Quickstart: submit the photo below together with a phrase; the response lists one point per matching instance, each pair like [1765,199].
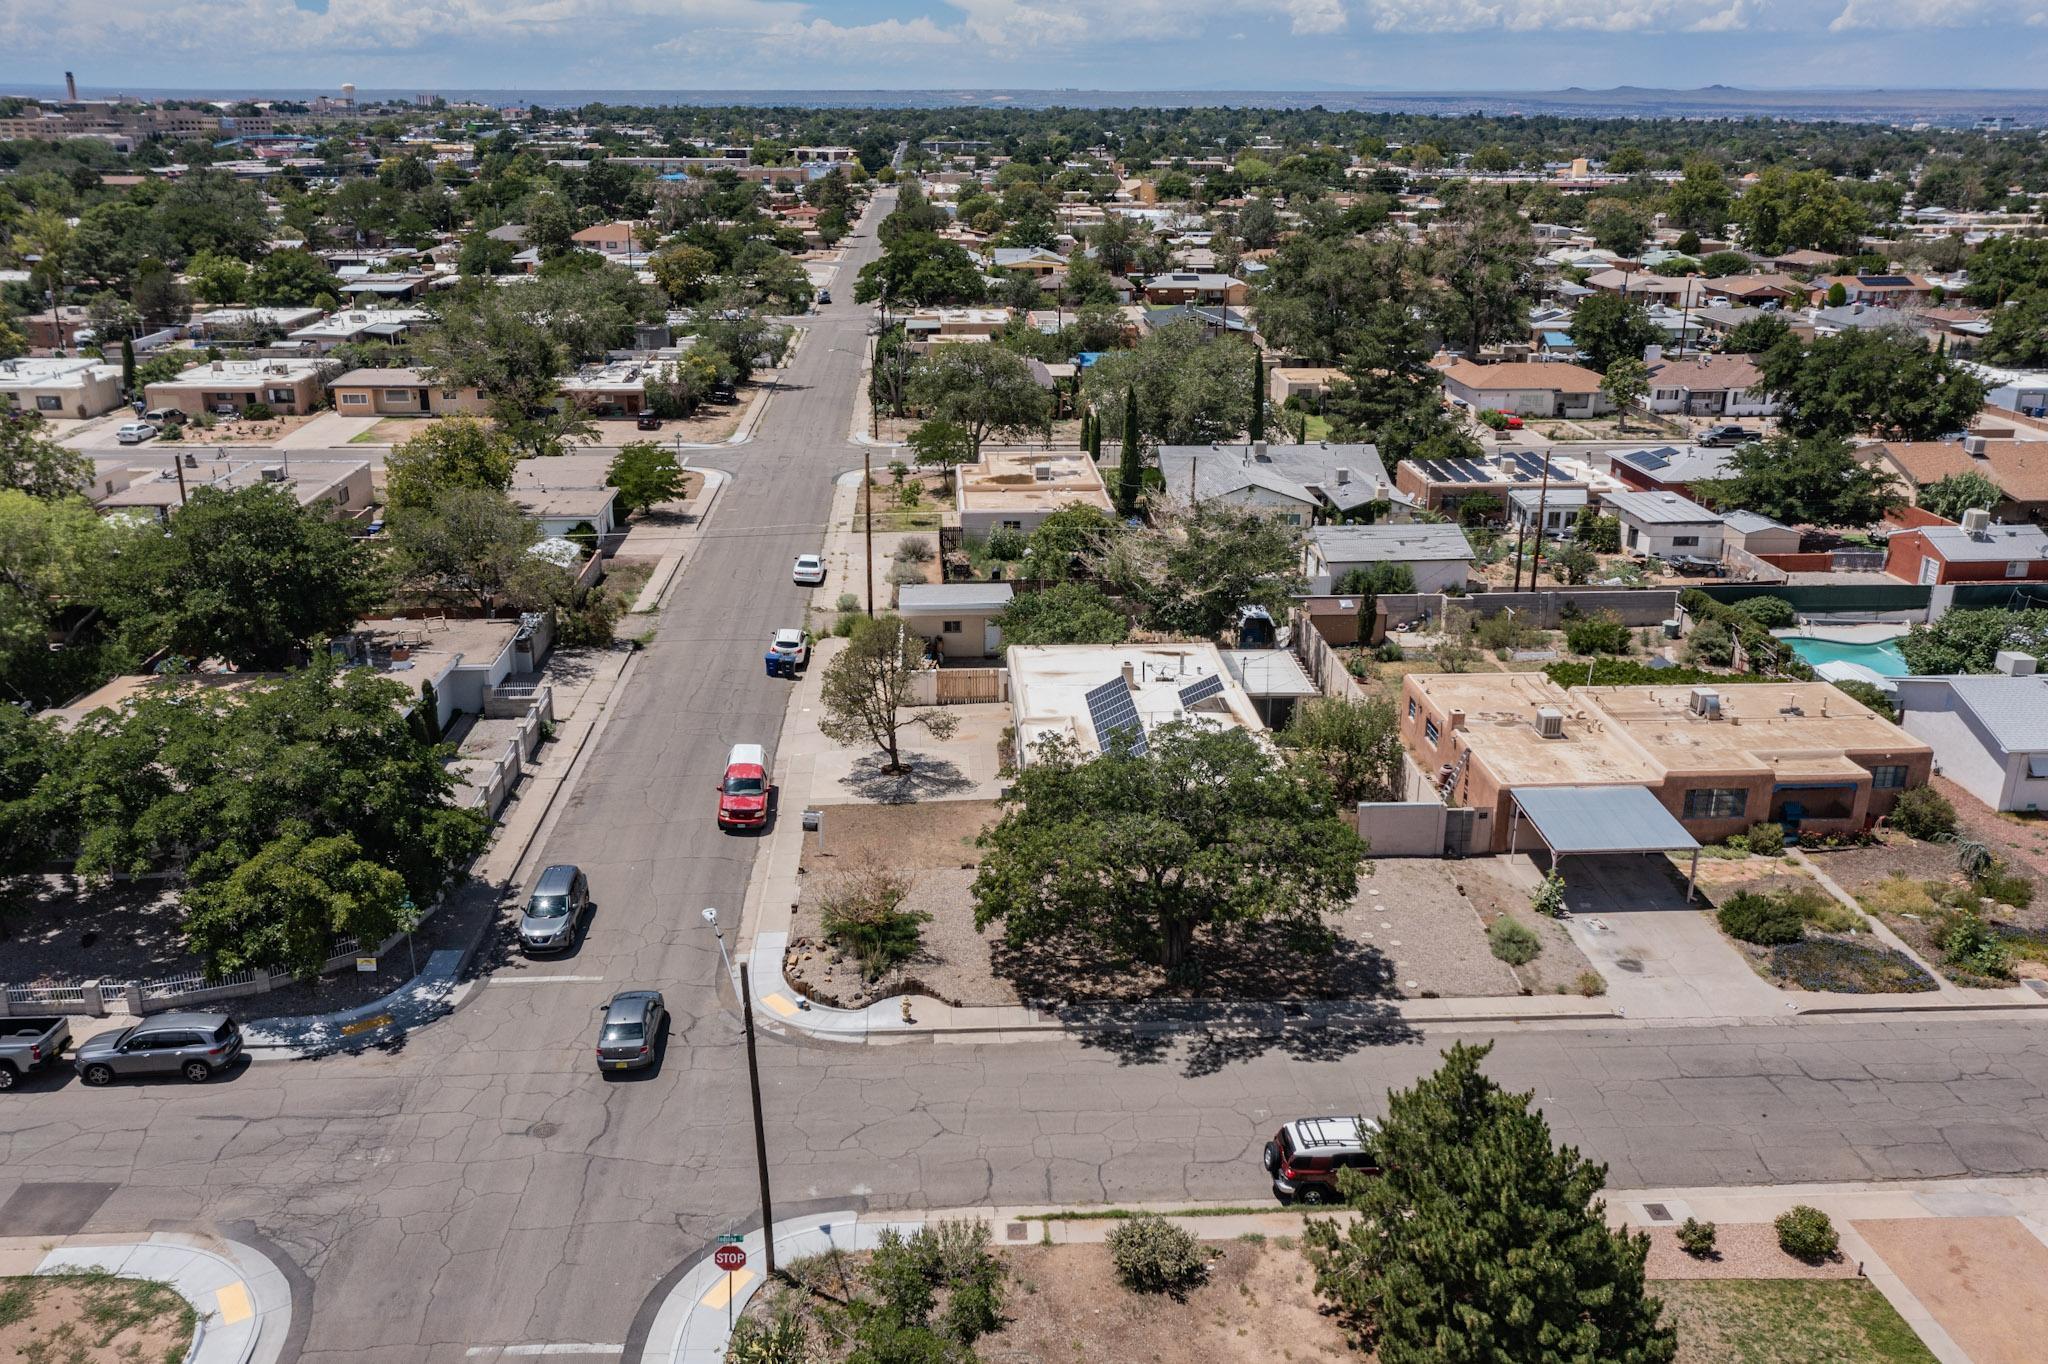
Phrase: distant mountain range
[1951,106]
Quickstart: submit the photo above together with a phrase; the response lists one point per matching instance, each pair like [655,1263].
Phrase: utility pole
[867,497]
[1536,561]
[760,1133]
[179,464]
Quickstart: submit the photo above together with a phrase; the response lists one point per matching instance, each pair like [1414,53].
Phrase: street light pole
[867,497]
[760,1132]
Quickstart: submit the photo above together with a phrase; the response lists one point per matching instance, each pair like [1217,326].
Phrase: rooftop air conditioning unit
[1550,722]
[1976,521]
[1973,446]
[1707,702]
[1044,473]
[273,473]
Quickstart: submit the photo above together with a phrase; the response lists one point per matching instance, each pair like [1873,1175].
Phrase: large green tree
[247,576]
[453,452]
[986,390]
[1482,1242]
[1788,210]
[1141,853]
[1882,380]
[1065,613]
[1817,481]
[2019,331]
[1191,388]
[466,545]
[32,463]
[646,475]
[1970,641]
[921,270]
[1699,201]
[1196,571]
[1356,745]
[1608,327]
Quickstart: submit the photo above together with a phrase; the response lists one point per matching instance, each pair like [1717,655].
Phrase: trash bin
[773,664]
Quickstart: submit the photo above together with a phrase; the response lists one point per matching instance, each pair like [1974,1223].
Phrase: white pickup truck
[28,1044]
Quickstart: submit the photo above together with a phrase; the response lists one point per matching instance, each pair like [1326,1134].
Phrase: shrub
[1766,840]
[1761,919]
[1773,613]
[1711,644]
[1152,1255]
[1899,893]
[1923,813]
[848,601]
[1389,651]
[1549,897]
[915,550]
[257,412]
[1004,544]
[864,917]
[1869,694]
[1968,944]
[1829,964]
[1805,1233]
[1591,984]
[903,571]
[1512,942]
[1696,1238]
[1597,634]
[2006,886]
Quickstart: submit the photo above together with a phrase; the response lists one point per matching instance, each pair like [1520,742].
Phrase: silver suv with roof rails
[1304,1156]
[555,914]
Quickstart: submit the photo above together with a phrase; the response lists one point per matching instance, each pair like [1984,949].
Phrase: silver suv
[555,913]
[196,1046]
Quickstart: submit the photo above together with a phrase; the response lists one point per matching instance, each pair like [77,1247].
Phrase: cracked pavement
[479,1184]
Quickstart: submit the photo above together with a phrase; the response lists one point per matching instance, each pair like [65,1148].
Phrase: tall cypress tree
[1481,1240]
[1087,424]
[1130,469]
[1258,395]
[128,365]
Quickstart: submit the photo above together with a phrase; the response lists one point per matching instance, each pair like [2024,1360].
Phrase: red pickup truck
[743,794]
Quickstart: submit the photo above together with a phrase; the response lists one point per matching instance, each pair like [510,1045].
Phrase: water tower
[348,95]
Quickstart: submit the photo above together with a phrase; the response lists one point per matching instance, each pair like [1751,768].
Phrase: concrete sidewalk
[691,1324]
[244,1302]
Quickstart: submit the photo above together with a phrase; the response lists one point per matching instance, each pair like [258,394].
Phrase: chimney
[1130,677]
[70,87]
[1259,451]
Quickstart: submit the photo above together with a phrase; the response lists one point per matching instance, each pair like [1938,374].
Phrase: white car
[792,645]
[809,570]
[134,433]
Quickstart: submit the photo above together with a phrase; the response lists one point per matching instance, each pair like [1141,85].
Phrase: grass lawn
[1787,1321]
[1318,428]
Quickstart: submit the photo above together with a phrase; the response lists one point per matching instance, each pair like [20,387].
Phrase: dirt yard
[92,1319]
[1980,1276]
[1416,929]
[1561,967]
[236,431]
[1912,885]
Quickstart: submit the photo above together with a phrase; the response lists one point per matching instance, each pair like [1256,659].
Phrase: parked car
[28,1044]
[648,422]
[226,410]
[134,433]
[160,417]
[1727,434]
[824,297]
[743,793]
[1304,1156]
[724,394]
[197,1046]
[556,911]
[808,570]
[791,647]
[631,1030]
[1692,565]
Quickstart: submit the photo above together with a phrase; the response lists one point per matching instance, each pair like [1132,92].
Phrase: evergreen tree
[1258,427]
[128,365]
[1480,1241]
[1130,470]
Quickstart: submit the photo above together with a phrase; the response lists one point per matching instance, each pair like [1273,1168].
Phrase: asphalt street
[481,1185]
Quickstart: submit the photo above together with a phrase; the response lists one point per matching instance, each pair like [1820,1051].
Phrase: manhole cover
[543,1130]
[1629,964]
[1013,1231]
[1657,1212]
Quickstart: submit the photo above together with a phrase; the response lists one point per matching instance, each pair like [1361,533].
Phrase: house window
[1013,525]
[449,395]
[2015,568]
[1685,541]
[1411,708]
[1889,777]
[354,399]
[280,395]
[341,497]
[1632,537]
[1716,802]
[1430,731]
[949,627]
[47,403]
[398,397]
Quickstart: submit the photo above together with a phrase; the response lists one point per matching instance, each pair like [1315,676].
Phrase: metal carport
[1574,820]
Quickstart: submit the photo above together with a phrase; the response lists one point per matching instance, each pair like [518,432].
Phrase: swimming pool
[1882,657]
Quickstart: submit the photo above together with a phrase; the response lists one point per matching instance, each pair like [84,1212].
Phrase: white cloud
[1927,14]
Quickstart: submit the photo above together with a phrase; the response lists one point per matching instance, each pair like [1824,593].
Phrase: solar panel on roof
[1110,709]
[1649,459]
[1891,280]
[1201,690]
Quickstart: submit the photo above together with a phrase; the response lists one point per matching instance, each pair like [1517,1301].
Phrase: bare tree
[866,692]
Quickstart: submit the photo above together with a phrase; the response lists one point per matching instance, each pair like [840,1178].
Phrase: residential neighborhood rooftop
[1050,683]
[1397,543]
[1660,509]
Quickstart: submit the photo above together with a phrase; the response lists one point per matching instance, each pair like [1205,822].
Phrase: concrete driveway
[1662,958]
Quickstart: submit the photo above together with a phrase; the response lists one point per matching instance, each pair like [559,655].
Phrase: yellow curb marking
[234,1304]
[778,1005]
[364,1025]
[722,1292]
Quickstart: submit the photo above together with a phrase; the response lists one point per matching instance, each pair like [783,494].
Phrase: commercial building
[1718,759]
[1088,693]
[286,387]
[1017,489]
[60,388]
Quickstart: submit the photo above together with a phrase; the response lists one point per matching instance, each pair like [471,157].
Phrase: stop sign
[729,1258]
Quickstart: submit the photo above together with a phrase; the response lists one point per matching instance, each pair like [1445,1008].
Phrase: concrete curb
[243,1300]
[715,481]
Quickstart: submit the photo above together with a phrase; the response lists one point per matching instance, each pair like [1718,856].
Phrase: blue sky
[1116,44]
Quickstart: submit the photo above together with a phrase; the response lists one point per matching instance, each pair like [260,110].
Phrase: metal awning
[1601,819]
[1591,820]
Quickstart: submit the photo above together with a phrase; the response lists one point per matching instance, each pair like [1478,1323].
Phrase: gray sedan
[631,1030]
[195,1045]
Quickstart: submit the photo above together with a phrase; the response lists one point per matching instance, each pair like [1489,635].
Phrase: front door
[991,639]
